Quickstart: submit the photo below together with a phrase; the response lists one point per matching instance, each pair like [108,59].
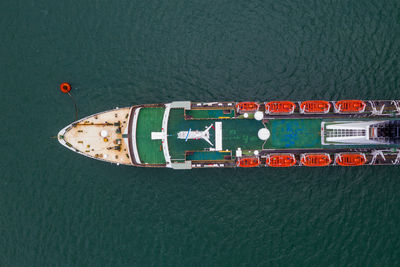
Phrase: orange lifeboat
[242,107]
[350,106]
[280,107]
[281,160]
[315,106]
[351,159]
[248,162]
[315,160]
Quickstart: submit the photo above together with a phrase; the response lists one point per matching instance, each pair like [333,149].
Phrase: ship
[185,135]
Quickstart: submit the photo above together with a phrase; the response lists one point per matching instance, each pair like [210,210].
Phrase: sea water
[58,208]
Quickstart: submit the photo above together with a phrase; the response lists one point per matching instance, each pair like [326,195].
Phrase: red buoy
[65,88]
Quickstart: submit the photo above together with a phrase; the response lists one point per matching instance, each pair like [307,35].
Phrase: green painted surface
[149,120]
[243,133]
[295,133]
[208,155]
[235,133]
[177,123]
[210,114]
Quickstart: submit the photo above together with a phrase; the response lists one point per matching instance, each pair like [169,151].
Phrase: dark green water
[61,209]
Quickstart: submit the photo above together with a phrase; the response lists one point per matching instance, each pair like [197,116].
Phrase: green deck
[210,114]
[208,155]
[149,120]
[243,133]
[295,133]
[177,123]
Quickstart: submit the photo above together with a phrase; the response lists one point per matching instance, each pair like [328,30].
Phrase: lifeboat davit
[315,106]
[351,159]
[248,162]
[315,159]
[242,107]
[280,107]
[281,160]
[350,106]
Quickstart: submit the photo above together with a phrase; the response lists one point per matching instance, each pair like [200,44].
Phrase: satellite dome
[258,115]
[103,133]
[264,134]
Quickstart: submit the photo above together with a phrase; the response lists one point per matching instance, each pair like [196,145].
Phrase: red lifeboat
[281,160]
[280,107]
[248,162]
[315,160]
[315,106]
[242,107]
[350,106]
[351,159]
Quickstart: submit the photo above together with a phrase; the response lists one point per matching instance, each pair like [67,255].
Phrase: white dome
[246,115]
[264,134]
[256,152]
[258,115]
[103,133]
